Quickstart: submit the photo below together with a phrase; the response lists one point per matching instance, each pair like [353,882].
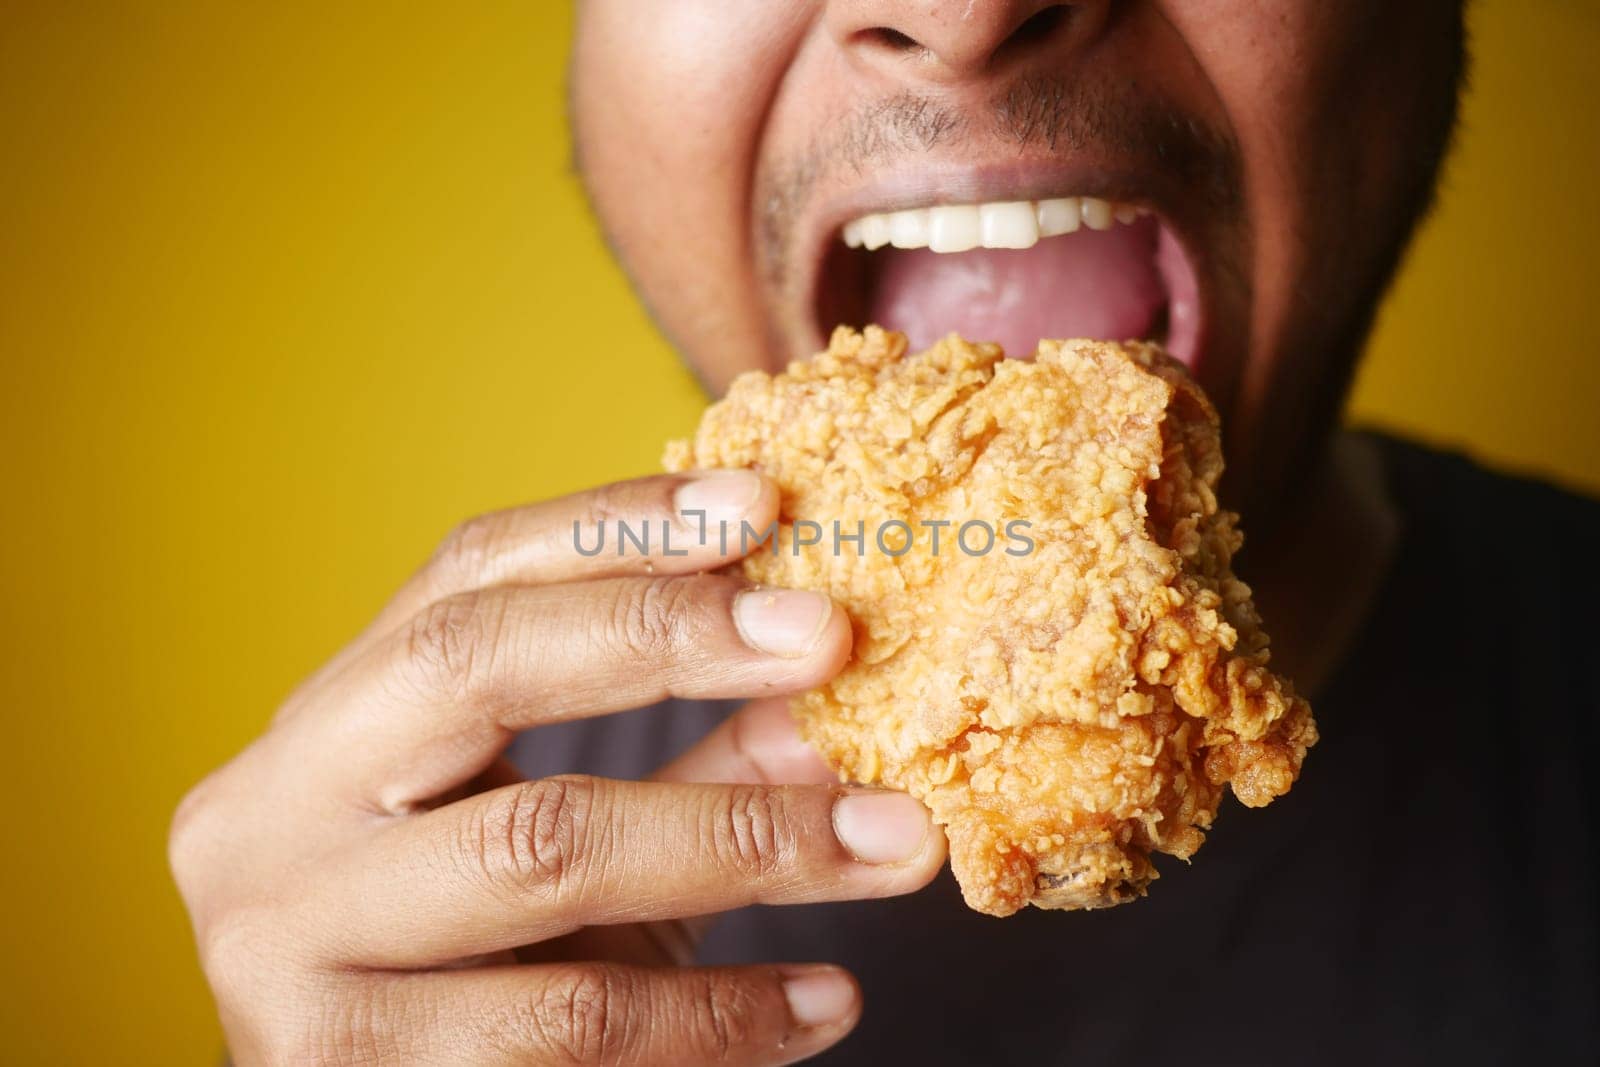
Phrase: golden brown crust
[1063,711]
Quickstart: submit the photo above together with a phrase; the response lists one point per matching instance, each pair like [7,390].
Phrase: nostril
[983,36]
[889,39]
[1039,26]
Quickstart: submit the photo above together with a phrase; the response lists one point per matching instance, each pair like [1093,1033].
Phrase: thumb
[758,744]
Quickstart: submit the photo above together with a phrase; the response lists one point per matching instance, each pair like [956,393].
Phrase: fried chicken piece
[1071,700]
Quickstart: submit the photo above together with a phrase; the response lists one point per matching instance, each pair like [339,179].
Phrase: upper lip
[930,184]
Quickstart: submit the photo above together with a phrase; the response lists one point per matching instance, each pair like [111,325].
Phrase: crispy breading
[1074,698]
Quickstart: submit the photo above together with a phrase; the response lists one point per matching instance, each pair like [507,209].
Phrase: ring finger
[536,860]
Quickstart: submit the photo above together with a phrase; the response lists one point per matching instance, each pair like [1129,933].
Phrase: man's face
[1278,153]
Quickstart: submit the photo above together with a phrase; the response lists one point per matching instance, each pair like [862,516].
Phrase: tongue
[1101,284]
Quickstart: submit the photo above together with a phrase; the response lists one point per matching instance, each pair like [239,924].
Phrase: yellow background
[286,291]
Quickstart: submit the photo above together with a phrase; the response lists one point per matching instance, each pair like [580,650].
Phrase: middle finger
[432,705]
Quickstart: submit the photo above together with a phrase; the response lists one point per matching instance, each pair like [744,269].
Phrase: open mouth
[1014,272]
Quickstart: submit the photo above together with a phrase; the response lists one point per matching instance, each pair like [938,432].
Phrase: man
[384,875]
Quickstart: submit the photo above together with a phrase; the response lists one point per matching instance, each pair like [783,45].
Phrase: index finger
[661,524]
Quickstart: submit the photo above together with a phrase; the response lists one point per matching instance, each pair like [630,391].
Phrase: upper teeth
[1003,224]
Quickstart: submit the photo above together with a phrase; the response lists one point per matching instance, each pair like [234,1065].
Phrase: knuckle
[286,1011]
[583,1015]
[468,551]
[238,955]
[448,644]
[660,617]
[532,835]
[614,501]
[725,1017]
[192,835]
[752,830]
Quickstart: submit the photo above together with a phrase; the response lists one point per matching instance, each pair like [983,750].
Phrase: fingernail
[781,622]
[723,496]
[881,828]
[819,997]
